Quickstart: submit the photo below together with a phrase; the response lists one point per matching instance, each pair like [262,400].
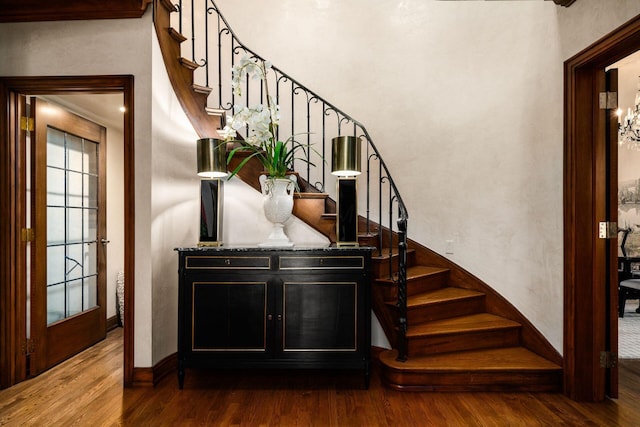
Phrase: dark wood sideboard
[301,308]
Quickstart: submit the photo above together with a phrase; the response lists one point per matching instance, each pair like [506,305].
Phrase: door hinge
[608,100]
[28,346]
[27,235]
[607,230]
[26,123]
[608,359]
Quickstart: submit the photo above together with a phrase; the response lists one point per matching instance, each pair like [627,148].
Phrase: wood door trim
[9,316]
[584,323]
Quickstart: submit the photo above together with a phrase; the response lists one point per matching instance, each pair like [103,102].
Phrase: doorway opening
[590,201]
[628,201]
[86,96]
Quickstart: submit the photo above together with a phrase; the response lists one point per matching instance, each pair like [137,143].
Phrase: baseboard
[375,353]
[150,377]
[112,323]
[165,367]
[142,377]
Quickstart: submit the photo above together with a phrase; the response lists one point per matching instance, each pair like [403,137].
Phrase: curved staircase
[461,335]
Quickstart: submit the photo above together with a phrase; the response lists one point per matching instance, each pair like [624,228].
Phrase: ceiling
[103,109]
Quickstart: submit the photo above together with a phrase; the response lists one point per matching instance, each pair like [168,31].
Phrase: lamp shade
[212,158]
[345,156]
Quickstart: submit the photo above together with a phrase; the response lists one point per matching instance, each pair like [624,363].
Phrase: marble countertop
[247,248]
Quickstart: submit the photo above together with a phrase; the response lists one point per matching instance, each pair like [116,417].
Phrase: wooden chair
[628,277]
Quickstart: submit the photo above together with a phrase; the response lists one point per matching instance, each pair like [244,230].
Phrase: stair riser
[425,284]
[371,240]
[445,343]
[445,310]
[381,268]
[388,290]
[501,381]
[414,286]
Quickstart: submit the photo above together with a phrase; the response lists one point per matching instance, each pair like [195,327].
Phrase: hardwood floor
[87,390]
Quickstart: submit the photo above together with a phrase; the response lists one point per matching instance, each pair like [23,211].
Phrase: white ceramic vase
[277,194]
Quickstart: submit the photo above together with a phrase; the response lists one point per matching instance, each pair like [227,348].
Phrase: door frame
[12,312]
[585,187]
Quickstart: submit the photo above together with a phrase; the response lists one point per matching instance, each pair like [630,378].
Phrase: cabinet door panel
[320,316]
[229,316]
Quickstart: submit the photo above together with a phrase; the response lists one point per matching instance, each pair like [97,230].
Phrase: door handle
[104,241]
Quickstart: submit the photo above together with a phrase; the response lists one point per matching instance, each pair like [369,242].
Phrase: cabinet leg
[367,374]
[180,374]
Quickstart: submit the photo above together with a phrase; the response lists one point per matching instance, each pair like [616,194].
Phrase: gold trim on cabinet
[228,263]
[330,267]
[222,349]
[355,318]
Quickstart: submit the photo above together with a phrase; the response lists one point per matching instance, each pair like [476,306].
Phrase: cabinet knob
[227,261]
[279,317]
[269,317]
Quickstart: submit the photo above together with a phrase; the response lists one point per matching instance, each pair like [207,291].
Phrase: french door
[68,254]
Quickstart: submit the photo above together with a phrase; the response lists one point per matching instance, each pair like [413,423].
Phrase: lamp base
[347,212]
[347,244]
[209,244]
[211,203]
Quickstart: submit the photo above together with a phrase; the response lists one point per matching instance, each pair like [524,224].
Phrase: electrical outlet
[449,247]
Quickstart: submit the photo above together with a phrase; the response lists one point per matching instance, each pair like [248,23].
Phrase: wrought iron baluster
[370,157]
[324,144]
[308,149]
[402,284]
[390,234]
[293,117]
[380,247]
[193,37]
[207,12]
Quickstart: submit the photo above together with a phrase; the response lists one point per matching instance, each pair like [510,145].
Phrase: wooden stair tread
[416,272]
[188,63]
[461,324]
[169,5]
[215,111]
[305,195]
[492,359]
[177,36]
[202,89]
[448,293]
[384,254]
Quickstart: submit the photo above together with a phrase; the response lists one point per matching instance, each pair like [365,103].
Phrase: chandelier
[629,128]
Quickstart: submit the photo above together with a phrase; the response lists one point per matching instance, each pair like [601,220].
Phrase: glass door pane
[72,209]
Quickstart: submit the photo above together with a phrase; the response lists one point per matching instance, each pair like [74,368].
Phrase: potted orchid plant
[262,143]
[262,121]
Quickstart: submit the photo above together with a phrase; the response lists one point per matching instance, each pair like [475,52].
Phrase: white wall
[471,123]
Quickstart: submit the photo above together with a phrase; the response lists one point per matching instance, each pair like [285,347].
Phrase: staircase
[458,334]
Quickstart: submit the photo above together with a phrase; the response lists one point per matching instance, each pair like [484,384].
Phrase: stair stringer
[192,98]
